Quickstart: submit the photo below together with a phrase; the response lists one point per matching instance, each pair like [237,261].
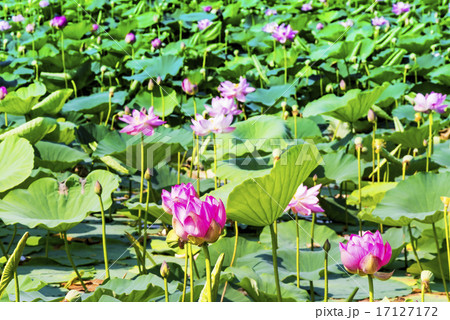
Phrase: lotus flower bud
[446,201]
[315,177]
[3,93]
[358,142]
[425,142]
[283,105]
[34,63]
[164,271]
[127,110]
[417,117]
[415,152]
[130,38]
[371,116]
[103,69]
[413,57]
[150,85]
[111,92]
[72,296]
[21,49]
[183,45]
[329,88]
[158,80]
[98,188]
[407,66]
[147,175]
[342,85]
[99,40]
[236,53]
[327,246]
[285,115]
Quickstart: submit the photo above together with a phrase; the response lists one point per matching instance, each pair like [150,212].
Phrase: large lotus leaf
[21,101]
[442,75]
[52,104]
[260,201]
[94,103]
[155,211]
[393,92]
[417,198]
[33,130]
[411,138]
[16,162]
[152,68]
[169,95]
[64,133]
[354,105]
[77,30]
[57,207]
[166,177]
[58,157]
[158,147]
[239,169]
[341,166]
[257,134]
[441,154]
[305,128]
[269,97]
[371,195]
[418,45]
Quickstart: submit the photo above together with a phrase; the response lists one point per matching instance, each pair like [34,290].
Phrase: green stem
[198,165]
[185,273]
[162,103]
[16,283]
[6,119]
[191,270]
[12,239]
[166,290]
[370,277]
[285,64]
[358,152]
[63,60]
[109,109]
[441,269]
[233,258]
[422,294]
[275,263]
[141,189]
[373,149]
[208,271]
[430,140]
[414,247]
[298,250]
[295,126]
[179,168]
[352,295]
[144,244]
[105,251]
[378,165]
[446,236]
[215,162]
[325,298]
[69,256]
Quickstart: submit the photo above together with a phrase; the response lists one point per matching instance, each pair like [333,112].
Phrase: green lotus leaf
[417,198]
[371,195]
[260,201]
[63,133]
[52,104]
[410,138]
[354,105]
[58,157]
[22,100]
[33,130]
[441,154]
[169,95]
[243,168]
[341,166]
[161,66]
[16,162]
[57,207]
[94,103]
[77,30]
[442,75]
[155,211]
[269,97]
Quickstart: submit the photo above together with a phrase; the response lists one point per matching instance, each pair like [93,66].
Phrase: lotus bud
[413,57]
[446,201]
[21,49]
[111,92]
[371,116]
[236,53]
[19,34]
[203,71]
[164,271]
[150,85]
[283,105]
[127,110]
[3,93]
[285,115]
[99,40]
[315,178]
[103,69]
[406,160]
[407,66]
[147,175]
[183,45]
[358,142]
[342,85]
[34,63]
[417,117]
[425,143]
[415,152]
[276,155]
[327,246]
[98,188]
[329,88]
[158,80]
[227,32]
[295,110]
[72,296]
[307,62]
[426,277]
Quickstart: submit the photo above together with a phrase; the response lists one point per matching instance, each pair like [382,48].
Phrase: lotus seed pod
[72,296]
[358,142]
[98,188]
[426,276]
[236,53]
[283,104]
[415,152]
[329,88]
[164,271]
[417,117]
[34,63]
[111,92]
[147,175]
[21,49]
[295,110]
[407,66]
[276,155]
[413,56]
[285,115]
[446,201]
[407,159]
[327,246]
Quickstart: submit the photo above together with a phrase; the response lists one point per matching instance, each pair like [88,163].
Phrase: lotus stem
[311,283]
[141,189]
[422,293]
[358,152]
[185,273]
[336,130]
[16,285]
[12,239]
[69,256]
[233,258]
[430,140]
[198,165]
[105,251]
[208,271]
[163,103]
[295,125]
[370,277]
[166,289]
[109,110]
[179,168]
[446,236]
[63,60]
[6,119]
[191,264]
[352,295]
[144,244]
[275,263]
[285,64]
[373,148]
[414,247]
[297,261]
[441,269]
[325,298]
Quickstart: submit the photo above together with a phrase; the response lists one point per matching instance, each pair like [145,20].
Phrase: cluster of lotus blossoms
[430,102]
[194,220]
[142,121]
[281,33]
[222,109]
[203,24]
[379,21]
[400,7]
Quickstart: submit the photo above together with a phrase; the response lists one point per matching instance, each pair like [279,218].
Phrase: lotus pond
[231,151]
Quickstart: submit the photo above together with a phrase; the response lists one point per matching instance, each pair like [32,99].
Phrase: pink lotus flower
[18,18]
[95,27]
[307,7]
[203,24]
[30,28]
[58,22]
[284,33]
[156,43]
[222,106]
[319,26]
[346,24]
[130,38]
[429,102]
[199,221]
[44,3]
[219,124]
[305,201]
[3,93]
[365,255]
[379,21]
[270,12]
[400,7]
[270,27]
[141,122]
[188,87]
[239,90]
[4,25]
[207,8]
[179,194]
